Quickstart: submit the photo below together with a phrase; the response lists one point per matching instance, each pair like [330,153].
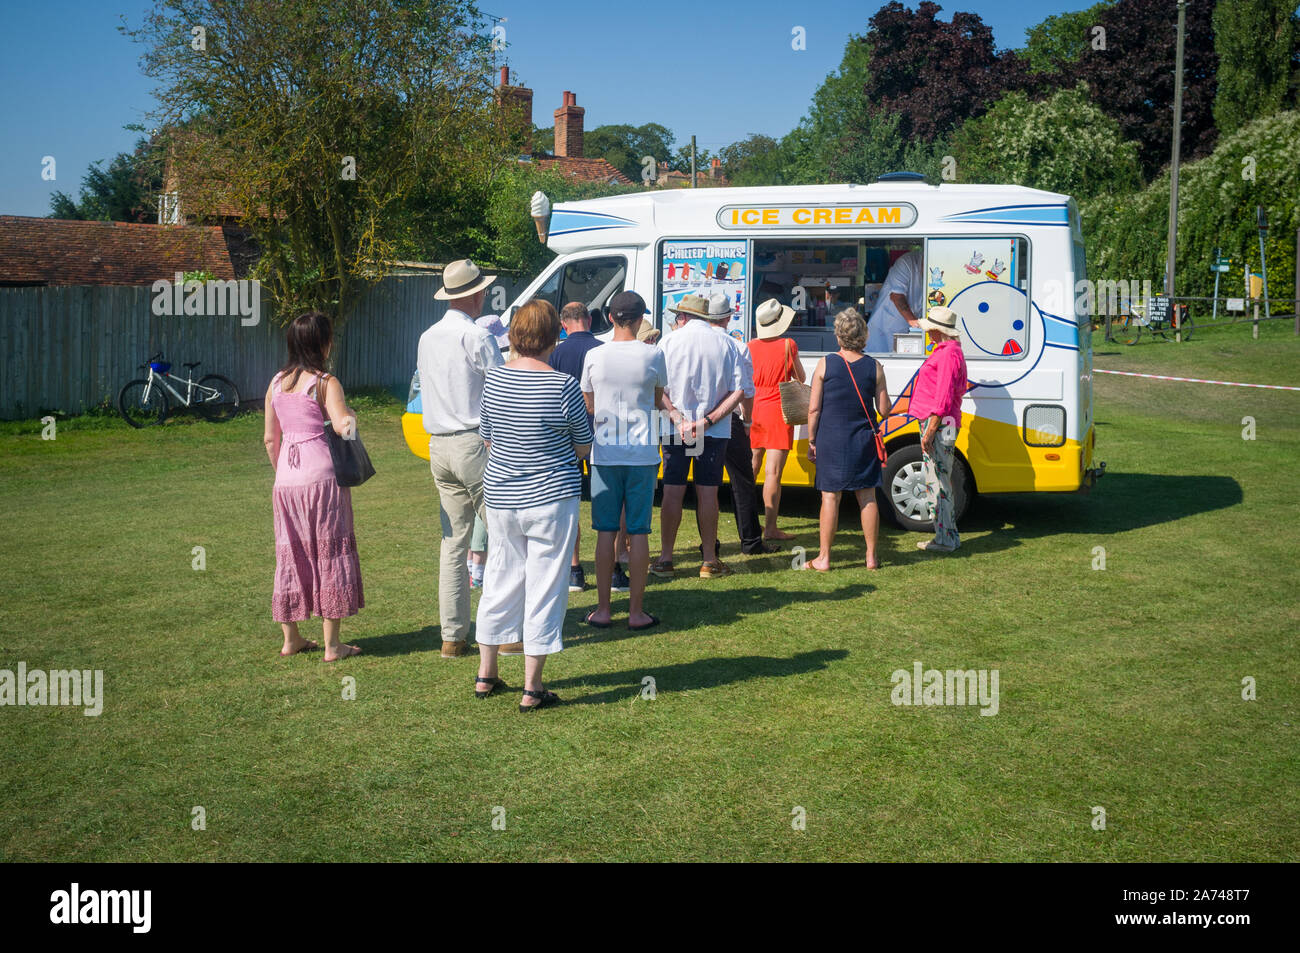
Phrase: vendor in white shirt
[900,303]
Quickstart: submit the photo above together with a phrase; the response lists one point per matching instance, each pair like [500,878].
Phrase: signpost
[1219,267]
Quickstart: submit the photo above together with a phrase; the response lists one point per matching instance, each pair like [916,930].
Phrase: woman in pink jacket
[936,404]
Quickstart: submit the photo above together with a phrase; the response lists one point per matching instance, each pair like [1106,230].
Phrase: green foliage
[1216,209]
[756,160]
[124,192]
[624,146]
[339,130]
[1256,44]
[1062,144]
[506,238]
[1061,38]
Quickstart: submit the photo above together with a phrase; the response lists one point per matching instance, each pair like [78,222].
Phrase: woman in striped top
[535,424]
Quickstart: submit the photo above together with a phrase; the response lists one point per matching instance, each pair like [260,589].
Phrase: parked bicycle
[1166,323]
[144,401]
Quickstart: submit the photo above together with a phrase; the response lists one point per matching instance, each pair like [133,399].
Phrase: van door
[592,279]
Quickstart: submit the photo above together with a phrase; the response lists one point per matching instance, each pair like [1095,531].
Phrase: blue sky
[720,70]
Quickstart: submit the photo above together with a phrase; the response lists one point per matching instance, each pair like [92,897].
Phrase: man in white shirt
[705,383]
[900,304]
[739,460]
[623,384]
[453,359]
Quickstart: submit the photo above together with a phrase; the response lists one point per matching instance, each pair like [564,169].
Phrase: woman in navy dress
[846,386]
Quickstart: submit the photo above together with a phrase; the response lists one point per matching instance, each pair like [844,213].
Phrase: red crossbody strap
[854,382]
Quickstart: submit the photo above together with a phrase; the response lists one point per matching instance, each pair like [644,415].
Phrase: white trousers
[526,579]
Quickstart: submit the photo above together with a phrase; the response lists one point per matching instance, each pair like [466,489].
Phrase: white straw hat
[773,319]
[461,279]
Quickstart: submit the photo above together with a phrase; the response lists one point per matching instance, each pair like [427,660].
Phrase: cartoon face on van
[993,319]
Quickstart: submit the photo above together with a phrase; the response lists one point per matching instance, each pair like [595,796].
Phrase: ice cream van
[1005,258]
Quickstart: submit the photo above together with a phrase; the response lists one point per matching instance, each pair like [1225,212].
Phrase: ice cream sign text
[825,216]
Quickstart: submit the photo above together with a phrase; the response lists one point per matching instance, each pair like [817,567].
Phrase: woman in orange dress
[776,360]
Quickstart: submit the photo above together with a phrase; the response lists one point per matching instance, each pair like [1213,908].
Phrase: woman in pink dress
[316,567]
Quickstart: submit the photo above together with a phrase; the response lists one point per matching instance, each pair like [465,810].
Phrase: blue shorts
[708,459]
[616,487]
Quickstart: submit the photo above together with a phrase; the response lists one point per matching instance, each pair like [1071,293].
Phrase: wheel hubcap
[907,491]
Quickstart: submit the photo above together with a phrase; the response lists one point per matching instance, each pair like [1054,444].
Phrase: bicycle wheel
[1128,330]
[224,404]
[138,411]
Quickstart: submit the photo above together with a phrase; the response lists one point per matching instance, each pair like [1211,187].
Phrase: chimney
[516,105]
[715,170]
[568,127]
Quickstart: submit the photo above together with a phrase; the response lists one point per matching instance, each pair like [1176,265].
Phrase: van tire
[902,495]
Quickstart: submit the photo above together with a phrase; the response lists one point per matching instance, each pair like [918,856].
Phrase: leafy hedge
[1216,209]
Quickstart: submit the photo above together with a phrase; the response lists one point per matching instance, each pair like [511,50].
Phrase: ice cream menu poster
[705,269]
[955,264]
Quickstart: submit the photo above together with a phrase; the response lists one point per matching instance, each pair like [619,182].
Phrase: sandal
[595,625]
[662,568]
[346,651]
[544,700]
[496,683]
[308,646]
[654,621]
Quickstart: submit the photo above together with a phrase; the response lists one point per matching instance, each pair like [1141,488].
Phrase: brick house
[568,160]
[38,252]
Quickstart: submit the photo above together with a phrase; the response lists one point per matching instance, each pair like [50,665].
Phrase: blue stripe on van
[566,222]
[1015,215]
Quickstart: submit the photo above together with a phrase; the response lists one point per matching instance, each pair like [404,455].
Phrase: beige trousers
[457,463]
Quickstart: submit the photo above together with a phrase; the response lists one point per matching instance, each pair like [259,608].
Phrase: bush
[1216,209]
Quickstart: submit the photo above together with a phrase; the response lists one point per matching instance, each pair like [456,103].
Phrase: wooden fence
[66,349]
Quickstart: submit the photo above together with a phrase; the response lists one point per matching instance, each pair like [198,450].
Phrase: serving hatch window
[818,278]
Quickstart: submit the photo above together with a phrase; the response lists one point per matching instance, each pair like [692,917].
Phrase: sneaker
[716,569]
[455,649]
[619,582]
[511,648]
[577,579]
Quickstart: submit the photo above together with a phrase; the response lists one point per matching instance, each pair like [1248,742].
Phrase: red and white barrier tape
[1195,380]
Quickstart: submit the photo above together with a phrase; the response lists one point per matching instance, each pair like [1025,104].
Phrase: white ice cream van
[1005,258]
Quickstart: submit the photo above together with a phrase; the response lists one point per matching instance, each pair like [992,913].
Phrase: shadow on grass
[428,639]
[684,609]
[1121,502]
[697,675]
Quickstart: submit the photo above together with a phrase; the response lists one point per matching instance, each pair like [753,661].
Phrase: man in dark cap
[623,384]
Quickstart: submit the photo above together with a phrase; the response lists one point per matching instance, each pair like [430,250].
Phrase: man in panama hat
[453,359]
[705,385]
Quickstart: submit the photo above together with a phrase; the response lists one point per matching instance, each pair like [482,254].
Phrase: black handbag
[352,466]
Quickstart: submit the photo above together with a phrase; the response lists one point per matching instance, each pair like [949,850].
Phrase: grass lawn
[1119,689]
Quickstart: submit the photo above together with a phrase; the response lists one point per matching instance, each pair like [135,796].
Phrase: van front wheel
[904,490]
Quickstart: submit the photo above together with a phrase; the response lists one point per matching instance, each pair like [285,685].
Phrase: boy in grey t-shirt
[623,385]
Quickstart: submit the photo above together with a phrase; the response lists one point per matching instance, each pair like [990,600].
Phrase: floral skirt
[317,571]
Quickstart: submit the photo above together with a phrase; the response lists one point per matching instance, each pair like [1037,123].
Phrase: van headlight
[1044,425]
[414,392]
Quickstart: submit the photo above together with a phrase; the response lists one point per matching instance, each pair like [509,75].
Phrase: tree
[1132,79]
[507,238]
[124,192]
[1216,211]
[1255,41]
[1062,144]
[1061,38]
[340,129]
[625,147]
[935,74]
[755,160]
